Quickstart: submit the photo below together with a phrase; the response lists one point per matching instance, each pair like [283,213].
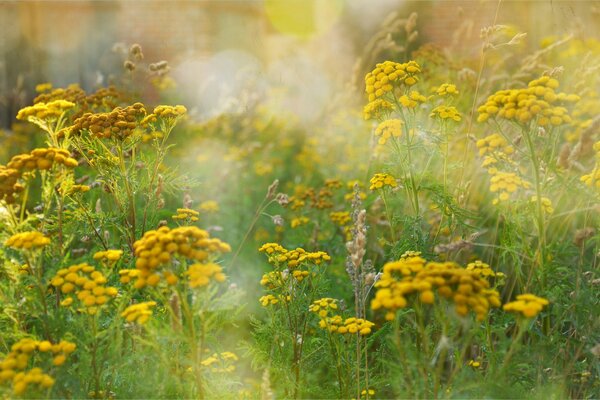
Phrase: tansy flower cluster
[139,312]
[527,305]
[221,362]
[9,184]
[387,129]
[484,269]
[546,204]
[299,221]
[414,277]
[13,366]
[209,206]
[119,123]
[268,300]
[27,240]
[87,284]
[159,247]
[45,111]
[446,112]
[387,74]
[492,144]
[446,89]
[412,99]
[186,214]
[380,180]
[506,183]
[377,109]
[109,256]
[341,218]
[42,159]
[169,111]
[349,325]
[278,255]
[202,274]
[323,306]
[273,279]
[538,100]
[593,178]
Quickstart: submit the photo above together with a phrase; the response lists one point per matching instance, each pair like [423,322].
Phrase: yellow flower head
[387,129]
[527,305]
[381,180]
[27,240]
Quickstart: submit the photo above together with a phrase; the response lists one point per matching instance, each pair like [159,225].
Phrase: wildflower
[110,256]
[506,183]
[299,221]
[528,305]
[539,100]
[268,300]
[546,204]
[42,159]
[414,277]
[340,218]
[43,87]
[9,184]
[221,362]
[202,274]
[355,325]
[186,214]
[27,240]
[446,112]
[387,129]
[85,283]
[119,123]
[14,366]
[377,109]
[323,306]
[412,100]
[484,269]
[156,249]
[370,392]
[139,312]
[209,206]
[474,363]
[492,144]
[446,89]
[45,111]
[381,180]
[388,74]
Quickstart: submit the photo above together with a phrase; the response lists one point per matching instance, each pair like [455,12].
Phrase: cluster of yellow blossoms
[158,248]
[109,256]
[484,270]
[202,274]
[299,221]
[377,109]
[323,306]
[139,312]
[446,112]
[13,366]
[387,129]
[186,214]
[119,123]
[340,218]
[412,100]
[209,206]
[467,289]
[538,100]
[86,283]
[9,184]
[593,178]
[221,362]
[380,180]
[546,204]
[505,183]
[278,256]
[169,111]
[446,89]
[528,305]
[42,159]
[492,144]
[385,75]
[27,240]
[349,325]
[45,111]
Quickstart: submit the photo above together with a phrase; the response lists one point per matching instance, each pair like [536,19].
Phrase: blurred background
[310,47]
